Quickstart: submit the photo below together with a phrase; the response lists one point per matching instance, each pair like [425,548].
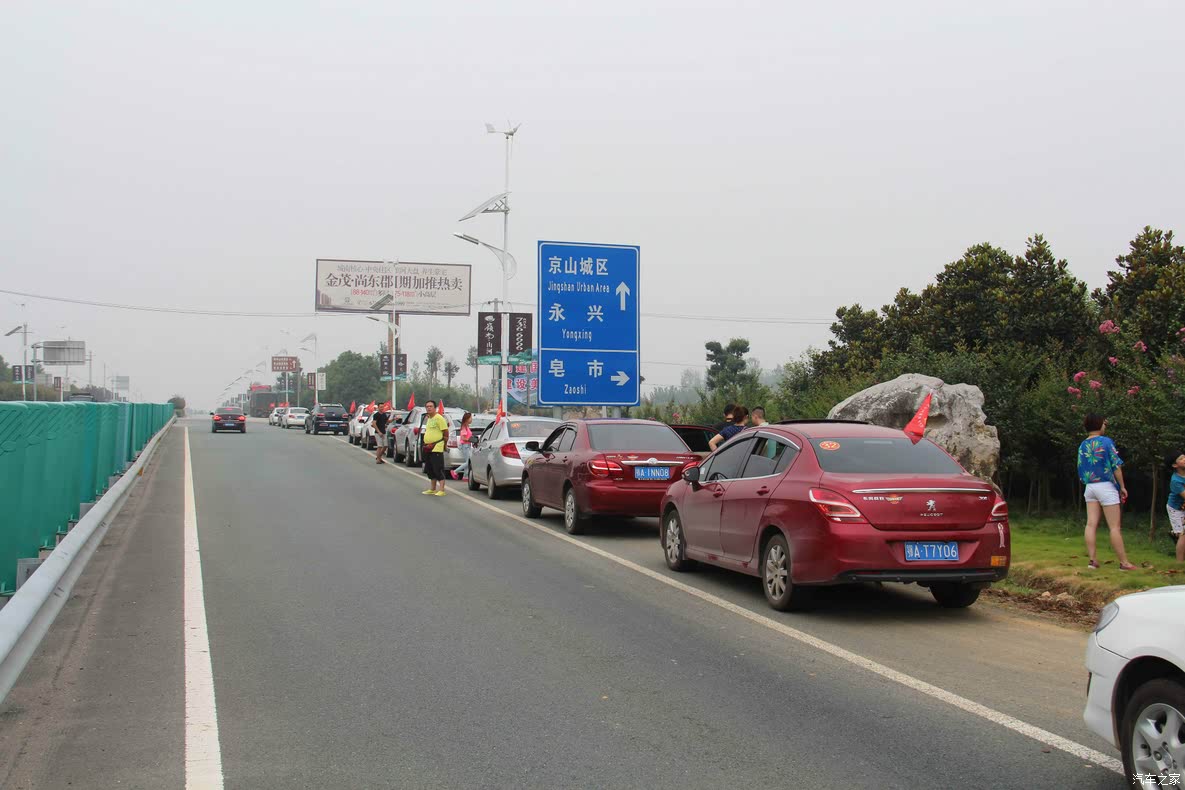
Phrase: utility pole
[90,370]
[394,352]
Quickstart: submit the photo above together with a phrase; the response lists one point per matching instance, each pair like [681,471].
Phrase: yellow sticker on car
[828,445]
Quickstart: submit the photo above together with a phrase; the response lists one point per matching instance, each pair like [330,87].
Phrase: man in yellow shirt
[435,437]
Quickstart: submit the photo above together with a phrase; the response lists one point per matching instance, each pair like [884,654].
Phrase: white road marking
[203,754]
[962,703]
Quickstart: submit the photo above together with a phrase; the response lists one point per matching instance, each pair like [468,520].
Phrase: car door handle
[762,491]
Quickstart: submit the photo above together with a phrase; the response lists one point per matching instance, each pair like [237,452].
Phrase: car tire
[243,429]
[213,430]
[1158,701]
[492,489]
[954,595]
[530,509]
[472,483]
[575,522]
[776,580]
[674,544]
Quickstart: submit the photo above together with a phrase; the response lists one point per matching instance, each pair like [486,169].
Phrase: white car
[407,434]
[274,417]
[1135,697]
[294,417]
[358,425]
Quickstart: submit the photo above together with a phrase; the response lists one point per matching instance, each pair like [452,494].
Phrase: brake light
[321,416]
[217,418]
[452,442]
[415,431]
[510,451]
[603,467]
[241,418]
[1000,510]
[835,507]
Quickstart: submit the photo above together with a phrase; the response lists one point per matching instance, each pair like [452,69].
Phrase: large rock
[957,422]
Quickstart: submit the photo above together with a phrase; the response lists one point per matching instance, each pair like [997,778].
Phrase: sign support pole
[391,350]
[504,317]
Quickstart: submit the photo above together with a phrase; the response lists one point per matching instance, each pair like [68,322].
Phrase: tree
[471,361]
[432,362]
[1145,295]
[451,369]
[352,377]
[727,368]
[178,402]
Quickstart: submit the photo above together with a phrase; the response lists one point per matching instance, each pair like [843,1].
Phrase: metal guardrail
[30,612]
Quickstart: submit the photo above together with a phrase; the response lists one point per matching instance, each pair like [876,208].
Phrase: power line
[259,314]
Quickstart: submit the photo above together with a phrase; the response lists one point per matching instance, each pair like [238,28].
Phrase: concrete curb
[27,616]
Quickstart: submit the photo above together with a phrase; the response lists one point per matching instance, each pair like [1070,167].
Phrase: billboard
[63,352]
[520,338]
[321,384]
[121,383]
[489,338]
[345,286]
[431,288]
[285,364]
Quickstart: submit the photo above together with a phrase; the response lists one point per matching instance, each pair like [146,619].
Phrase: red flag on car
[370,406]
[501,411]
[917,426]
[386,406]
[411,402]
[440,406]
[353,407]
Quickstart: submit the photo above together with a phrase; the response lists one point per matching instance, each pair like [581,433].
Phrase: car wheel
[1153,729]
[954,595]
[574,520]
[243,429]
[776,580]
[491,487]
[471,481]
[530,509]
[213,430]
[673,544]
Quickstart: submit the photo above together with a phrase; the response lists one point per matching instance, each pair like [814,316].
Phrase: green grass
[1049,553]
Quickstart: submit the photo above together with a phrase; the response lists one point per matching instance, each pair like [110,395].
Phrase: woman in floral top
[1101,470]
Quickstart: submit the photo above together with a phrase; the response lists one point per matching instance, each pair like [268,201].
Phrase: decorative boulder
[957,422]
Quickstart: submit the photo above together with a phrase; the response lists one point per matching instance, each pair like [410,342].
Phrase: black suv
[327,417]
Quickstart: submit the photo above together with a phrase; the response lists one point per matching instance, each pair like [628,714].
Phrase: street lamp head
[14,331]
[464,237]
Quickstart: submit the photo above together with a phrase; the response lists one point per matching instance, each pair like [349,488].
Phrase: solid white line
[203,754]
[962,703]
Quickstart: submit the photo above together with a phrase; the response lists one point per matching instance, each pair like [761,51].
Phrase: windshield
[523,429]
[883,457]
[634,437]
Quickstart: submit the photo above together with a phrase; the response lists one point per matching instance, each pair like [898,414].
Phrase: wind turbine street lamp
[500,204]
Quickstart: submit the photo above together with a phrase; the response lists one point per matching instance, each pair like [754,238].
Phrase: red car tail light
[603,467]
[452,441]
[510,451]
[241,418]
[217,418]
[835,507]
[320,416]
[1000,510]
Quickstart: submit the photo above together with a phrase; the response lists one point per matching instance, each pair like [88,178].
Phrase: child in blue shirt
[1176,503]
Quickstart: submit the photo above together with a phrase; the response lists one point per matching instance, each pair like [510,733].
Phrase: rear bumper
[237,426]
[841,553]
[324,425]
[507,471]
[609,498]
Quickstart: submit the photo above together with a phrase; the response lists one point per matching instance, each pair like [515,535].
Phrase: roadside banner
[489,338]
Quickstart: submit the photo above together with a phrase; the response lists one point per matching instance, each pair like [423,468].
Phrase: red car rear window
[631,437]
[883,456]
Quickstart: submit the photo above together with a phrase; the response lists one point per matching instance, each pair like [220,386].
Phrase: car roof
[824,429]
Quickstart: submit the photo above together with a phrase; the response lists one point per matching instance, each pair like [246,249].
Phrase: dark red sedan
[603,467]
[803,504]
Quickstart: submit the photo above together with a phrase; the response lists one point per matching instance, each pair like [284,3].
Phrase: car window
[635,437]
[298,411]
[768,457]
[229,411]
[883,456]
[553,440]
[726,464]
[567,441]
[490,432]
[529,429]
[696,439]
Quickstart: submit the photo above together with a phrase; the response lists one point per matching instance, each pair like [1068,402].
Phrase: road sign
[588,324]
[489,338]
[285,364]
[63,352]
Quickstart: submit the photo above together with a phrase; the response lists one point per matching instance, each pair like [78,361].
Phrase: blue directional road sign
[588,324]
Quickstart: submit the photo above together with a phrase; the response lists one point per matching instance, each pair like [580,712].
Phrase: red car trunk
[916,504]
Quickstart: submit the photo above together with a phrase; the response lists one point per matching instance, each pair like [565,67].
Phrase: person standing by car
[465,435]
[758,416]
[740,415]
[1100,470]
[1176,504]
[727,419]
[379,421]
[435,435]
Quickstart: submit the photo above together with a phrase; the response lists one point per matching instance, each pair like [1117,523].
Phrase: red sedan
[603,467]
[802,504]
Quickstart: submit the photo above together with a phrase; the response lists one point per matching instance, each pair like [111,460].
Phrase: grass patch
[1049,554]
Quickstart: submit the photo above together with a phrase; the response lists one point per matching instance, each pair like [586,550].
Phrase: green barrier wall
[108,414]
[16,505]
[58,497]
[90,446]
[119,457]
[35,485]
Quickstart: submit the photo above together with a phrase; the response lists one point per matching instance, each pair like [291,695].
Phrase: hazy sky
[773,159]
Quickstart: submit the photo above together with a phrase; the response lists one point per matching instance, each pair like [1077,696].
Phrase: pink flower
[1140,346]
[1134,391]
[1181,331]
[1094,385]
[1115,360]
[1077,393]
[1079,376]
[1108,328]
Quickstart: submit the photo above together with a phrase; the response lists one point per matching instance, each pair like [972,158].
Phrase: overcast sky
[773,159]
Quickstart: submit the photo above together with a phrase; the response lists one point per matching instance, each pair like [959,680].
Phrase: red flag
[370,407]
[271,405]
[440,407]
[353,407]
[386,406]
[917,426]
[411,402]
[501,411]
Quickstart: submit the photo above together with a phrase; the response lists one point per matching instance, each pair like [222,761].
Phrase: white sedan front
[1136,693]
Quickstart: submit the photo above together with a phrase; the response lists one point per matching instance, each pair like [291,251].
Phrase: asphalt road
[365,635]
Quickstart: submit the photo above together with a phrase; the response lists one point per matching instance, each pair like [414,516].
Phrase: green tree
[451,369]
[727,368]
[352,377]
[1146,295]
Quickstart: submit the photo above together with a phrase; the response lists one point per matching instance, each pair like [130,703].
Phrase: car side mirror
[691,475]
[532,446]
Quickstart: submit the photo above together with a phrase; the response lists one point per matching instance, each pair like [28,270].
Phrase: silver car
[498,458]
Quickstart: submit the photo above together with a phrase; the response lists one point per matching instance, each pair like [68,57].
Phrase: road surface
[364,635]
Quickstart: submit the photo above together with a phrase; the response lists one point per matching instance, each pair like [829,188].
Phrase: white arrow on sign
[621,378]
[623,291]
